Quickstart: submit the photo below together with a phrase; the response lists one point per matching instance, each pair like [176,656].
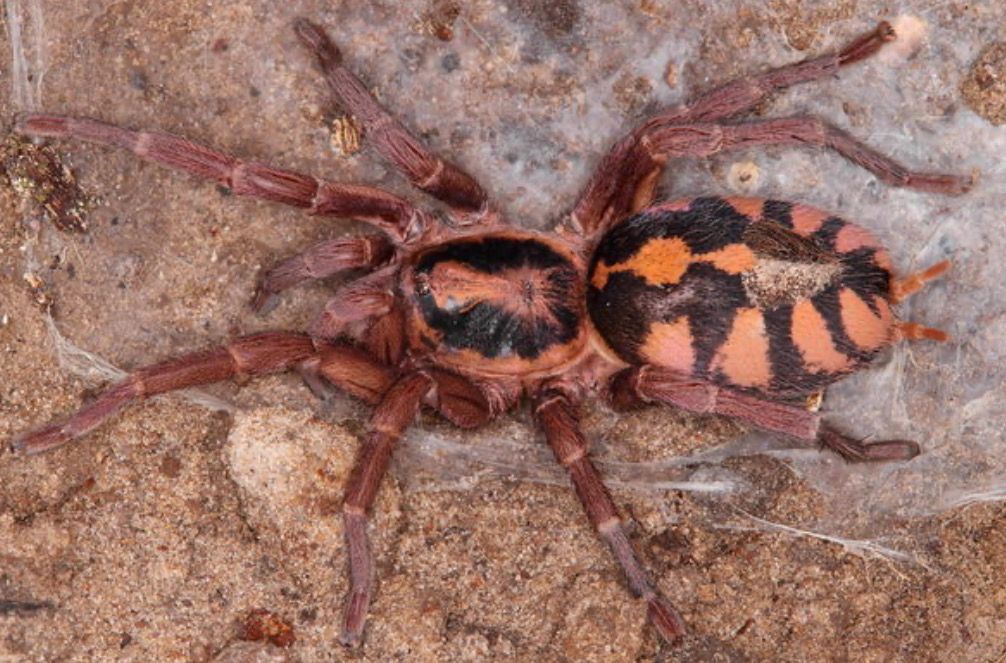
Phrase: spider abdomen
[498,303]
[749,293]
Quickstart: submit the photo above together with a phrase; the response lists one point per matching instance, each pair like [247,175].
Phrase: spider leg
[320,261]
[427,171]
[461,402]
[351,369]
[743,94]
[368,297]
[355,371]
[626,178]
[393,415]
[392,214]
[651,384]
[705,140]
[556,414]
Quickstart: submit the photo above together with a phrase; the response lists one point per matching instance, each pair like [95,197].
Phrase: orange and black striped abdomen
[507,303]
[758,294]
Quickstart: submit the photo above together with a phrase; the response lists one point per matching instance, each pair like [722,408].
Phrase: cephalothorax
[736,306]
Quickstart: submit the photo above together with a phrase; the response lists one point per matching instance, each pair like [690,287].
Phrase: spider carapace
[506,303]
[735,306]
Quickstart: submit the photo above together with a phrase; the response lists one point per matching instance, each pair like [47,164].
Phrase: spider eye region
[506,302]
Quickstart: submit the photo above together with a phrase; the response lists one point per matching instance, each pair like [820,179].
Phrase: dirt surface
[180,533]
[985,87]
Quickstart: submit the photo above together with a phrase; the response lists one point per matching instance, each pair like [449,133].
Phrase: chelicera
[736,306]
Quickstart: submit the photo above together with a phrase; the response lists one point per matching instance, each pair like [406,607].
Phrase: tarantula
[735,306]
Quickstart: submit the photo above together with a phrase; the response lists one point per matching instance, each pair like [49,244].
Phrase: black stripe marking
[865,277]
[827,304]
[826,234]
[495,254]
[786,360]
[622,312]
[714,299]
[779,211]
[790,377]
[707,225]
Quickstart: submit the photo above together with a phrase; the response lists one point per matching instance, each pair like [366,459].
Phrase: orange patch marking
[732,259]
[852,237]
[865,329]
[669,344]
[807,220]
[659,261]
[811,336]
[743,358]
[749,207]
[664,261]
[886,315]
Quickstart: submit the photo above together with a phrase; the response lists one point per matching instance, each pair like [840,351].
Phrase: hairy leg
[320,261]
[425,170]
[642,385]
[556,414]
[393,415]
[705,140]
[349,368]
[457,399]
[392,214]
[356,304]
[626,177]
[743,94]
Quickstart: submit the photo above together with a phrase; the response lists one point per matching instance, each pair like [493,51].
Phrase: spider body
[505,303]
[753,294]
[729,306]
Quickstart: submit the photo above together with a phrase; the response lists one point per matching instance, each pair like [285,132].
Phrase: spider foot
[317,41]
[858,451]
[263,301]
[868,44]
[665,619]
[949,185]
[39,440]
[354,619]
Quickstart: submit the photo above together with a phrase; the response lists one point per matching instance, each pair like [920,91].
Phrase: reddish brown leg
[350,369]
[649,384]
[804,131]
[390,213]
[742,95]
[425,170]
[624,181]
[556,413]
[393,415]
[357,302]
[706,140]
[320,261]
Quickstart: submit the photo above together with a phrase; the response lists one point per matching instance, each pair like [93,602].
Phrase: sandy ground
[181,533]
